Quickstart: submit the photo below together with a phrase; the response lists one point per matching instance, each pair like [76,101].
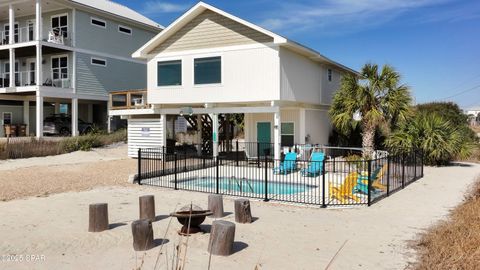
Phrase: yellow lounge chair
[344,193]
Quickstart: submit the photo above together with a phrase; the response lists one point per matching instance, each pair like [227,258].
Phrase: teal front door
[264,137]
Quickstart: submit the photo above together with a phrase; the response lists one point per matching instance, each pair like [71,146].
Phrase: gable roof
[118,10]
[201,7]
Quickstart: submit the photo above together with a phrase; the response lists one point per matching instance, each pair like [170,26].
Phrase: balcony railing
[27,34]
[126,100]
[28,78]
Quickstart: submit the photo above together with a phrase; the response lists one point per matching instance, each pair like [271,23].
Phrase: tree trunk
[215,204]
[243,214]
[147,207]
[98,217]
[368,137]
[221,238]
[142,235]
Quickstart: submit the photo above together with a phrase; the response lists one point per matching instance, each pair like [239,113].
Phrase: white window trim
[58,16]
[128,28]
[100,20]
[3,117]
[222,70]
[98,59]
[293,134]
[68,66]
[156,74]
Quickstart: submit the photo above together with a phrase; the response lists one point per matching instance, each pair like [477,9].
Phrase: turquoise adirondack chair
[362,187]
[315,167]
[288,165]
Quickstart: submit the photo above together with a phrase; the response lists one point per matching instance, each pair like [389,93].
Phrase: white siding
[303,80]
[138,139]
[247,75]
[317,126]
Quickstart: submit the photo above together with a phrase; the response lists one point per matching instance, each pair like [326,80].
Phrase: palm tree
[374,99]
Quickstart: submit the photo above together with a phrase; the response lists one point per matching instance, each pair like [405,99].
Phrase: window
[7,73]
[169,73]
[59,67]
[6,27]
[7,118]
[208,70]
[98,22]
[60,23]
[288,134]
[98,62]
[329,75]
[125,30]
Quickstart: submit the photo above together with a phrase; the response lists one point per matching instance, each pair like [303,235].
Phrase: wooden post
[215,204]
[221,238]
[98,217]
[147,207]
[243,213]
[142,235]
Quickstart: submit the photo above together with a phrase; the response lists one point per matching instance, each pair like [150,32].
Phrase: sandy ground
[70,172]
[283,237]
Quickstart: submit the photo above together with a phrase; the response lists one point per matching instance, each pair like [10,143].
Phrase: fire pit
[195,215]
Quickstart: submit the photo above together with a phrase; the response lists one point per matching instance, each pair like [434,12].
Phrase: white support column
[12,67]
[38,20]
[39,115]
[38,38]
[199,136]
[74,117]
[302,127]
[277,138]
[38,65]
[163,120]
[215,133]
[26,115]
[11,24]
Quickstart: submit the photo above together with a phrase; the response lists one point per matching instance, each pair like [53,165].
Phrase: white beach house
[211,63]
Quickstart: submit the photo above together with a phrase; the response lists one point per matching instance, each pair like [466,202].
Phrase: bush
[40,148]
[440,140]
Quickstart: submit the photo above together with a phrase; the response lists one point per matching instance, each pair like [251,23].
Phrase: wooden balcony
[128,100]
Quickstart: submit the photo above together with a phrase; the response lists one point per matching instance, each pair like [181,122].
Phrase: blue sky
[435,44]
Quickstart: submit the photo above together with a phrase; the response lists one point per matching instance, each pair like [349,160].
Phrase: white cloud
[152,7]
[340,16]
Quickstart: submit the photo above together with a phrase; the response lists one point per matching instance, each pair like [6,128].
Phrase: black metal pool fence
[342,178]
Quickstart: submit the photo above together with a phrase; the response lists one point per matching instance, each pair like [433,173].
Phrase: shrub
[440,140]
[40,148]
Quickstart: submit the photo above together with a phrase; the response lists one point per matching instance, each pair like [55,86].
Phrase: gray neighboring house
[68,56]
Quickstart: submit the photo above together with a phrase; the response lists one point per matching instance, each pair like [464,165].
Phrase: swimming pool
[249,186]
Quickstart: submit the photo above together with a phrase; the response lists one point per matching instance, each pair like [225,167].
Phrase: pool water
[251,186]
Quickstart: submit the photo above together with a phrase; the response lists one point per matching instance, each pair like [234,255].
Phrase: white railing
[27,78]
[57,36]
[27,34]
[63,80]
[22,34]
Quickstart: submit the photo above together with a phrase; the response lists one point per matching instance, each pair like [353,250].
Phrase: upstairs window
[6,29]
[169,73]
[124,30]
[329,75]
[98,22]
[60,24]
[60,68]
[208,70]
[98,62]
